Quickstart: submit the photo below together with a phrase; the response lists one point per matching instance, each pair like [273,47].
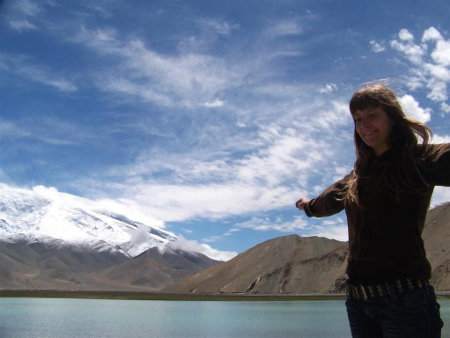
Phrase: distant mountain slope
[284,265]
[294,265]
[436,235]
[154,270]
[46,267]
[275,266]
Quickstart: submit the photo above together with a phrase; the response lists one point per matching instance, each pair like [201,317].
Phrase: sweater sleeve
[330,201]
[436,171]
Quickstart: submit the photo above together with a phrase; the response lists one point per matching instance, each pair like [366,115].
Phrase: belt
[385,290]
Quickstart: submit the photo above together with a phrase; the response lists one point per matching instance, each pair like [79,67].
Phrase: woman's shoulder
[432,151]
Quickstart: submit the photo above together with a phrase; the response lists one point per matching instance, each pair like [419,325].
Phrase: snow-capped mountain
[48,216]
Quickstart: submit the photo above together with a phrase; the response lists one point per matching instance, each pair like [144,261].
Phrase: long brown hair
[403,142]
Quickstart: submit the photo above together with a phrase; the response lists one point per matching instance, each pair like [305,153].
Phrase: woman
[386,198]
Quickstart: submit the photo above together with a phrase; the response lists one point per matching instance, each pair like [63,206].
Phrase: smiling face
[374,127]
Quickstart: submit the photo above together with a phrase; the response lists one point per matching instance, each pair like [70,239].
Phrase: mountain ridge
[40,266]
[47,216]
[289,269]
[112,251]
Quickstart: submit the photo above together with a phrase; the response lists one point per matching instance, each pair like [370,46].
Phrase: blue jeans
[411,314]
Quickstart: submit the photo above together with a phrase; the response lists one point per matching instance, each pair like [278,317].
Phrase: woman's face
[374,127]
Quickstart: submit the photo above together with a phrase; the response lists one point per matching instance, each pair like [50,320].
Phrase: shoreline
[132,295]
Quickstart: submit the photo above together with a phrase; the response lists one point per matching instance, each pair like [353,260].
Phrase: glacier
[46,215]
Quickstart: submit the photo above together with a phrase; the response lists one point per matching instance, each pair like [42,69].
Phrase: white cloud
[445,107]
[188,245]
[440,195]
[441,138]
[441,53]
[213,201]
[333,230]
[286,143]
[430,61]
[439,72]
[413,52]
[214,104]
[431,34]
[405,35]
[139,236]
[412,109]
[438,90]
[328,88]
[279,161]
[337,115]
[377,47]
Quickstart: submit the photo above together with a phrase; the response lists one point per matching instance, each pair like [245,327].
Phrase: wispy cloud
[46,131]
[22,25]
[22,15]
[27,7]
[10,129]
[328,88]
[278,224]
[187,80]
[220,27]
[285,133]
[286,27]
[22,66]
[271,176]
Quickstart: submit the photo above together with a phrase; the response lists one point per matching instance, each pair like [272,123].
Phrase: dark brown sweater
[385,230]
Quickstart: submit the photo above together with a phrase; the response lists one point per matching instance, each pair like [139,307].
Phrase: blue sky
[210,118]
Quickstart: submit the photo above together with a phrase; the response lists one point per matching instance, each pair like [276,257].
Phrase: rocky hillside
[437,243]
[43,266]
[294,265]
[286,265]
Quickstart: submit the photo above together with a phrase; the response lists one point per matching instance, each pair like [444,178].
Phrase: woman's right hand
[300,204]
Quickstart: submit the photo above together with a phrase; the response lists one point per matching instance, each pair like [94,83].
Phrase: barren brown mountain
[295,265]
[437,243]
[40,266]
[153,270]
[284,265]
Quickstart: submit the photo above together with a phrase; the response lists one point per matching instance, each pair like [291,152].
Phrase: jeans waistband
[385,289]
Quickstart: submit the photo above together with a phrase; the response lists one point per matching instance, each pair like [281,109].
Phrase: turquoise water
[41,318]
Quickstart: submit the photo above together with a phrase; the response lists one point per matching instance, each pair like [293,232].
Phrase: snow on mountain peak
[45,214]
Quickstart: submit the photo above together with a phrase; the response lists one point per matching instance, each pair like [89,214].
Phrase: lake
[83,318]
